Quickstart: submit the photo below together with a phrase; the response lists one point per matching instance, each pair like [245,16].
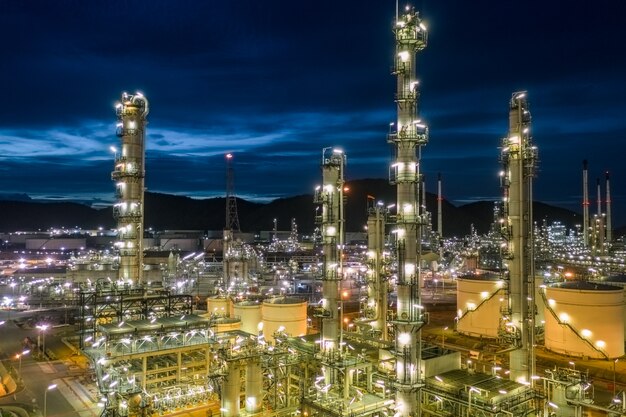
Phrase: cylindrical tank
[254,386]
[250,314]
[618,280]
[230,391]
[219,306]
[585,319]
[479,299]
[286,312]
[226,324]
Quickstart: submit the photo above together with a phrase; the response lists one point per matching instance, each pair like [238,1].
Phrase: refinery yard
[399,320]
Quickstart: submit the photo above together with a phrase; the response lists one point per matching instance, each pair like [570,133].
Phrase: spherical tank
[286,312]
[249,312]
[219,306]
[585,319]
[479,299]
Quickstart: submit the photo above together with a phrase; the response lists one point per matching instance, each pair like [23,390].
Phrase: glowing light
[404,338]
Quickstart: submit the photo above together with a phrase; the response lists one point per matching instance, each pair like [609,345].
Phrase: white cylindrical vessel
[219,306]
[479,300]
[284,312]
[254,387]
[226,324]
[585,319]
[249,312]
[230,391]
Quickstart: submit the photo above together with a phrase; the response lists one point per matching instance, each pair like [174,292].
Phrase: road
[38,374]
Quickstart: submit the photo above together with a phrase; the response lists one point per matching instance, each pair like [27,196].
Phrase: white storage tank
[286,312]
[585,319]
[249,312]
[226,324]
[479,299]
[618,280]
[219,306]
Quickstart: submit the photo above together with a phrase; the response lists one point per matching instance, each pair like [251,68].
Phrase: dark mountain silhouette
[165,211]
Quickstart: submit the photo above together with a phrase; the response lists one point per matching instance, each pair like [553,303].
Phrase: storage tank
[249,312]
[618,280]
[219,306]
[479,299]
[287,312]
[585,319]
[226,324]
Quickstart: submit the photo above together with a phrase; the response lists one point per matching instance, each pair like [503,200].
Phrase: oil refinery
[404,323]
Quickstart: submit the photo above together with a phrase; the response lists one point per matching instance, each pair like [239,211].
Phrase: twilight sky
[276,81]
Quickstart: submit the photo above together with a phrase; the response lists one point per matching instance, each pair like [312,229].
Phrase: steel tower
[410,135]
[232,218]
[330,197]
[519,157]
[129,174]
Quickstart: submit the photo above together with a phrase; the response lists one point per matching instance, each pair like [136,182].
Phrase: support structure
[232,218]
[129,174]
[330,197]
[519,158]
[410,135]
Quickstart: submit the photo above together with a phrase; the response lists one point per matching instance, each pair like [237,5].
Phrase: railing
[467,310]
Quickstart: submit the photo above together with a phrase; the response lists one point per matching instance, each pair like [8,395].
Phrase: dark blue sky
[276,81]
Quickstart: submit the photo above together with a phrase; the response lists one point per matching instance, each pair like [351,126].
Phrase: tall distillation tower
[410,135]
[519,158]
[330,197]
[129,175]
[377,277]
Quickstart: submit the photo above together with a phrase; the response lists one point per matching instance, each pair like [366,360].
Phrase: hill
[165,211]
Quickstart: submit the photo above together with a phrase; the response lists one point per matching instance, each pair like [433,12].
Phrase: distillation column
[410,135]
[519,158]
[378,285]
[330,196]
[129,177]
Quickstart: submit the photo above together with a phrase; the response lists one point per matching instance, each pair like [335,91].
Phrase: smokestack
[609,230]
[599,199]
[439,210]
[585,205]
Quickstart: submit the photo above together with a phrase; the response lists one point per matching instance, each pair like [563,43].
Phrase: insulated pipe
[585,205]
[609,226]
[254,384]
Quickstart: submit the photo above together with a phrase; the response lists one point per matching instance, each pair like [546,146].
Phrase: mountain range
[165,211]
